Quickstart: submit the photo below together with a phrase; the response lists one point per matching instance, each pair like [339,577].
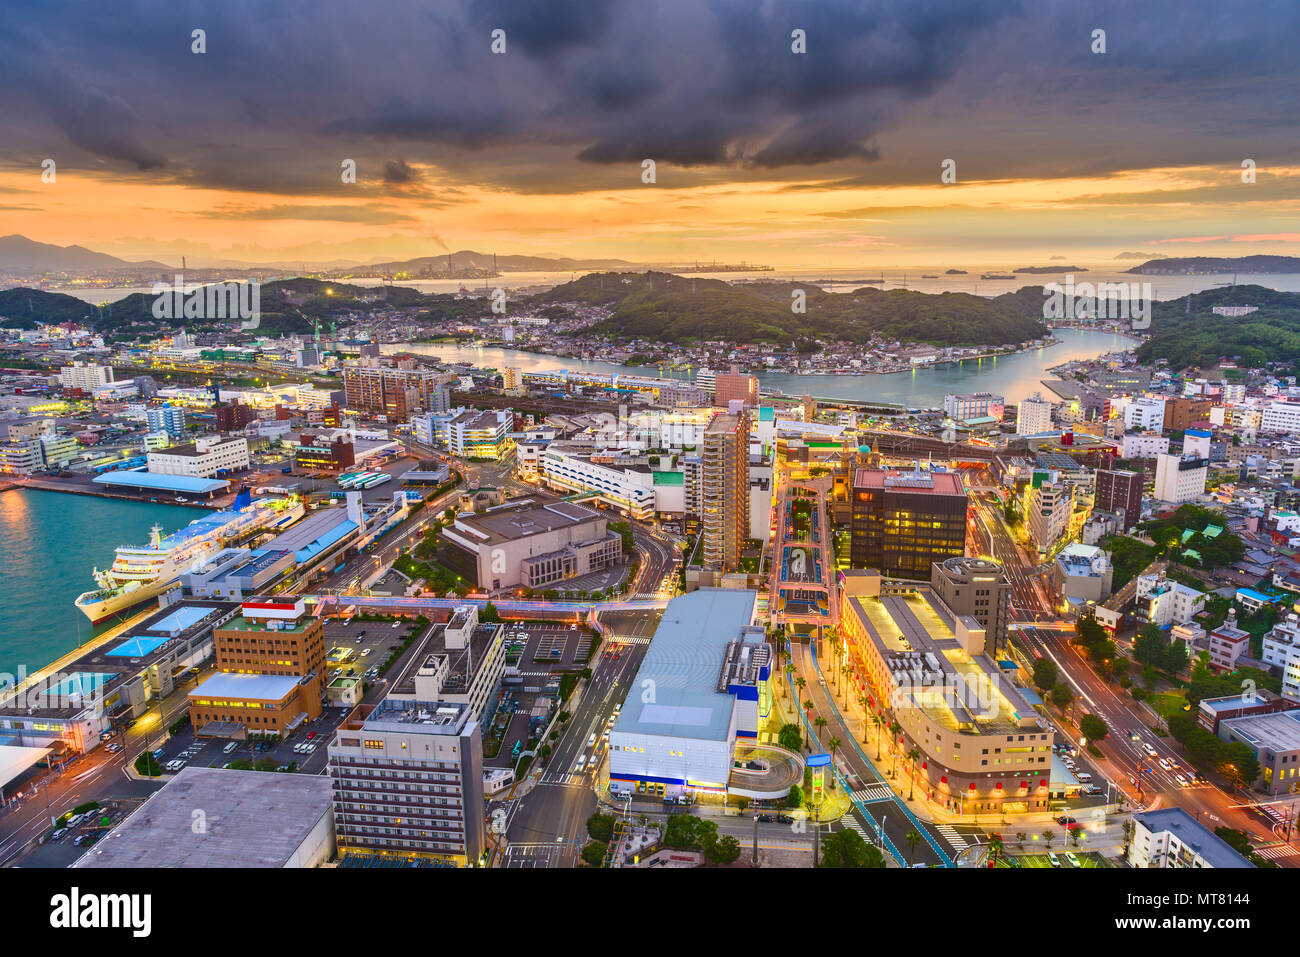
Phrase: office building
[1172,838]
[709,666]
[737,386]
[477,435]
[1281,416]
[1180,478]
[534,542]
[1197,442]
[408,782]
[205,457]
[1034,415]
[1183,412]
[984,749]
[1274,739]
[1119,492]
[725,489]
[324,452]
[975,408]
[976,587]
[1145,415]
[902,522]
[166,418]
[271,664]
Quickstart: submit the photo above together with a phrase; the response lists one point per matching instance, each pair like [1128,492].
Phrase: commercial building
[1180,478]
[248,820]
[408,782]
[1143,415]
[1183,412]
[1211,712]
[902,522]
[234,574]
[1162,601]
[1172,838]
[1034,415]
[709,666]
[1143,445]
[461,662]
[984,748]
[324,452]
[1274,738]
[271,662]
[1050,505]
[205,457]
[474,434]
[1083,574]
[112,683]
[725,489]
[532,542]
[166,418]
[233,415]
[1119,491]
[622,480]
[1281,416]
[975,406]
[976,587]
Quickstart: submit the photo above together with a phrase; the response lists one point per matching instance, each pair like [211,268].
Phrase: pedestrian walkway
[852,823]
[1276,851]
[874,792]
[950,835]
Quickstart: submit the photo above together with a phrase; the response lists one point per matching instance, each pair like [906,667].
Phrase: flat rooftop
[684,661]
[255,687]
[1192,834]
[907,480]
[1276,732]
[521,518]
[254,819]
[462,663]
[286,626]
[167,483]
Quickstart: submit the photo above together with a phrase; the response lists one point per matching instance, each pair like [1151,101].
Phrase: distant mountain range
[1194,265]
[20,256]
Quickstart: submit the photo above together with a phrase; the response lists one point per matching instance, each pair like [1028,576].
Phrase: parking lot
[306,748]
[370,644]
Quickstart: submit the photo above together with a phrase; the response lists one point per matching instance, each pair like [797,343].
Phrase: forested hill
[668,308]
[1187,333]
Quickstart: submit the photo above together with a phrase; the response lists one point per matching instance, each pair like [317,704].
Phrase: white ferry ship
[142,572]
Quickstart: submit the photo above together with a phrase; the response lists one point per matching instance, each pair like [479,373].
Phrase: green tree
[790,738]
[1093,728]
[725,850]
[1237,762]
[795,797]
[1062,696]
[913,755]
[819,723]
[1045,674]
[489,614]
[912,838]
[846,848]
[593,853]
[601,827]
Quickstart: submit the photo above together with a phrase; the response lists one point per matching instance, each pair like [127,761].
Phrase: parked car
[58,834]
[1073,859]
[1056,861]
[230,747]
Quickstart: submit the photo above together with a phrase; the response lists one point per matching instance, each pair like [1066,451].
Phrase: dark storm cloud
[886,88]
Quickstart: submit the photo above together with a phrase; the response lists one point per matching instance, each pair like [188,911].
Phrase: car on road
[591,740]
[1092,789]
[113,747]
[766,819]
[230,747]
[1183,781]
[1165,764]
[1064,820]
[58,834]
[1148,749]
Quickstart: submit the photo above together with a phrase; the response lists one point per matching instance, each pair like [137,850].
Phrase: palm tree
[912,838]
[894,729]
[913,755]
[833,744]
[879,722]
[995,850]
[800,683]
[789,671]
[1020,839]
[819,723]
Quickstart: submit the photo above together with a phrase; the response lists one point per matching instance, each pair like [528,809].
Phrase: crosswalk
[853,824]
[951,835]
[629,641]
[873,792]
[1277,850]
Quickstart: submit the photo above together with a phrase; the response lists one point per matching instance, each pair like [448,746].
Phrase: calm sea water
[1015,377]
[49,542]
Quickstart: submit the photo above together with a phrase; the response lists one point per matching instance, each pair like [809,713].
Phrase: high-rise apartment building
[735,385]
[395,393]
[166,418]
[1120,491]
[408,782]
[1050,506]
[86,376]
[1034,415]
[725,488]
[1180,478]
[905,521]
[1182,412]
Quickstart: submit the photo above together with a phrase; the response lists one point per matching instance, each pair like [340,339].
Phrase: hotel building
[902,522]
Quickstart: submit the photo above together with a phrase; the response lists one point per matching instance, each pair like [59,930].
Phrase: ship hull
[101,609]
